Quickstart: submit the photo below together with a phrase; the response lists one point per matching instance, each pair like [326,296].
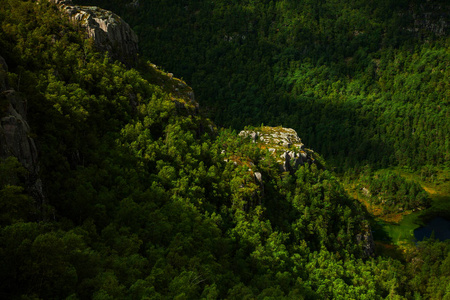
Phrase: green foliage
[150,203]
[15,204]
[362,82]
[394,193]
[429,264]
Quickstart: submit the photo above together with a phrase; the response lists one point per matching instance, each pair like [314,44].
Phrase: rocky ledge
[284,144]
[108,31]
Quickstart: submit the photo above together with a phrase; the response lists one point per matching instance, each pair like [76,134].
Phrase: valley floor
[393,230]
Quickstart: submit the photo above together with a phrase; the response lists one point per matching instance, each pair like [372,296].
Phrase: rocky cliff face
[108,31]
[15,137]
[365,238]
[431,16]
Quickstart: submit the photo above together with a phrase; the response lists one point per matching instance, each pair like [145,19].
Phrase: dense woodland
[141,201]
[363,82]
[392,192]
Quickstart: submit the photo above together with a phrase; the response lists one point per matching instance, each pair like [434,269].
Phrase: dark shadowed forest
[134,189]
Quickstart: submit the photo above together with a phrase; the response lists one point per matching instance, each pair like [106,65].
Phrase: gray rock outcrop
[430,17]
[365,239]
[284,144]
[15,137]
[108,31]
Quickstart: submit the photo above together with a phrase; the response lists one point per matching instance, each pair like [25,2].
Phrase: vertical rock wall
[14,134]
[108,31]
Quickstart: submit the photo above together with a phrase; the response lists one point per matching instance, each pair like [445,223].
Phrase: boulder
[108,31]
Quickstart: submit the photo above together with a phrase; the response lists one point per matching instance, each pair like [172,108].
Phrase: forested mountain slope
[361,81]
[145,198]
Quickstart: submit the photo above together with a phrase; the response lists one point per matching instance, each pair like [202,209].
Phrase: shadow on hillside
[233,54]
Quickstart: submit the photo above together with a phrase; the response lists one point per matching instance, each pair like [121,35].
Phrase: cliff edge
[284,144]
[108,31]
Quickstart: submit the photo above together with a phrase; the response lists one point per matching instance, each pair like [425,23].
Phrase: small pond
[438,225]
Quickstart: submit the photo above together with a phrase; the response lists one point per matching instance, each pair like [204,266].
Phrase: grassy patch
[403,232]
[398,228]
[439,191]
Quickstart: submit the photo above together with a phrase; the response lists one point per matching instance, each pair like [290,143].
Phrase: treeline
[362,82]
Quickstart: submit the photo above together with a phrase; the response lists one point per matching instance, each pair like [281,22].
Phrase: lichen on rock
[108,31]
[284,144]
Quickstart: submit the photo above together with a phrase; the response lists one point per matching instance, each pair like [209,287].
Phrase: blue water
[440,226]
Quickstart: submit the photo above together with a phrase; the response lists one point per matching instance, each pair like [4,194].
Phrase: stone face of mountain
[284,144]
[365,238]
[15,137]
[108,31]
[430,16]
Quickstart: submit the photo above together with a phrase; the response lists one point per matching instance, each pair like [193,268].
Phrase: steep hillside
[146,198]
